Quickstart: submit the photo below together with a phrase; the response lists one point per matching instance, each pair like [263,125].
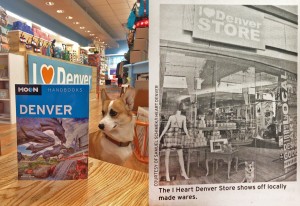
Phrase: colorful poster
[52,131]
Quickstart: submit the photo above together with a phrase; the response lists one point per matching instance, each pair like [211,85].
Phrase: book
[52,131]
[222,109]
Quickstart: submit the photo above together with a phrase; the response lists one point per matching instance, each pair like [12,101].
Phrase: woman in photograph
[173,130]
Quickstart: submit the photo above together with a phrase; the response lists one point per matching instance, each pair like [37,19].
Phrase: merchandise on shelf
[200,140]
[18,25]
[94,59]
[73,56]
[4,40]
[188,142]
[201,122]
[215,135]
[139,50]
[3,16]
[4,94]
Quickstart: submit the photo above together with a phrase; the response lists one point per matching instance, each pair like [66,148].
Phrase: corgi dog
[112,143]
[249,172]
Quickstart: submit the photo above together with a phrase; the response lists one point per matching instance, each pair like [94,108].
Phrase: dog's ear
[128,97]
[104,96]
[246,164]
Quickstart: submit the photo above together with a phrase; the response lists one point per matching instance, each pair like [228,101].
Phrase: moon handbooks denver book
[52,131]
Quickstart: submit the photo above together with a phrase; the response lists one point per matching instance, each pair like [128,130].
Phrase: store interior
[91,35]
[228,99]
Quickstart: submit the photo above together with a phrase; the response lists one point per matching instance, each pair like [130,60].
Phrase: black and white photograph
[223,103]
[228,94]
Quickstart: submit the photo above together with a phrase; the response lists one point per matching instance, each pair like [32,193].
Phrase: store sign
[175,82]
[289,145]
[43,70]
[235,25]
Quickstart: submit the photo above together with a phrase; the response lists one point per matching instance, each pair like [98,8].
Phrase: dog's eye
[113,113]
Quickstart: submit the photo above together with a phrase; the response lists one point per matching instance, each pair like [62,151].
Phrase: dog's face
[249,167]
[116,113]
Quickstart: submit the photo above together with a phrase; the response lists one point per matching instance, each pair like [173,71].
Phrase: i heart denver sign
[235,25]
[47,73]
[44,70]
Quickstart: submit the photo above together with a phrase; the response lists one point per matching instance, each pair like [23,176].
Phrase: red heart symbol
[47,73]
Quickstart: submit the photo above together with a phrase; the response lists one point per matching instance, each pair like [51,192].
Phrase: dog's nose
[101,126]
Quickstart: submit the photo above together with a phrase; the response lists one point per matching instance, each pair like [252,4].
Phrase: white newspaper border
[288,197]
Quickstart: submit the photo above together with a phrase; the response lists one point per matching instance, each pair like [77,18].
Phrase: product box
[52,131]
[142,84]
[142,92]
[138,56]
[4,94]
[140,45]
[141,98]
[142,33]
[94,59]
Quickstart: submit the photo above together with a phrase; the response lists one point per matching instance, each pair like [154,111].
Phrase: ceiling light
[76,22]
[82,27]
[69,17]
[60,11]
[88,31]
[49,3]
[92,34]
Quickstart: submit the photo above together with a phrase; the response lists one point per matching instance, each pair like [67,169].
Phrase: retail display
[139,51]
[64,110]
[138,35]
[4,40]
[9,66]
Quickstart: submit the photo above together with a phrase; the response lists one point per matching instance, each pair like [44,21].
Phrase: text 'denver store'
[232,71]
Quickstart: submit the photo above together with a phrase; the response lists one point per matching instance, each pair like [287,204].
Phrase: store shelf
[136,68]
[16,75]
[215,128]
[17,46]
[4,117]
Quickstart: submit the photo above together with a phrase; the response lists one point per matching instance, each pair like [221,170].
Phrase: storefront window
[249,105]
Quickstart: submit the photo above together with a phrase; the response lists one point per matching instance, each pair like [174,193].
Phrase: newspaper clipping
[223,104]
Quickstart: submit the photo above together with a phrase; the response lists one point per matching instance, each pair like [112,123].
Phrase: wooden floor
[8,133]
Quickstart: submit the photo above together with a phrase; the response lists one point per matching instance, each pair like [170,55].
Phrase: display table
[107,184]
[136,68]
[226,156]
[190,151]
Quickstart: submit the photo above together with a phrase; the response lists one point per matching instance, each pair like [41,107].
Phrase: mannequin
[174,128]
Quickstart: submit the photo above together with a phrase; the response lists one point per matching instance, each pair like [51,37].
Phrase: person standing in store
[174,128]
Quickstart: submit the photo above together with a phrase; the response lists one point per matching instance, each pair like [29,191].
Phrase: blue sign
[43,70]
[52,101]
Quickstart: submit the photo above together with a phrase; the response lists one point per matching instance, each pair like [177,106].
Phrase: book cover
[223,123]
[52,131]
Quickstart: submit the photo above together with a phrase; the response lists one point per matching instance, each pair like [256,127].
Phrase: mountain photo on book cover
[52,139]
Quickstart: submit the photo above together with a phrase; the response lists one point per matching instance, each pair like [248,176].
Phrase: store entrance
[246,108]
